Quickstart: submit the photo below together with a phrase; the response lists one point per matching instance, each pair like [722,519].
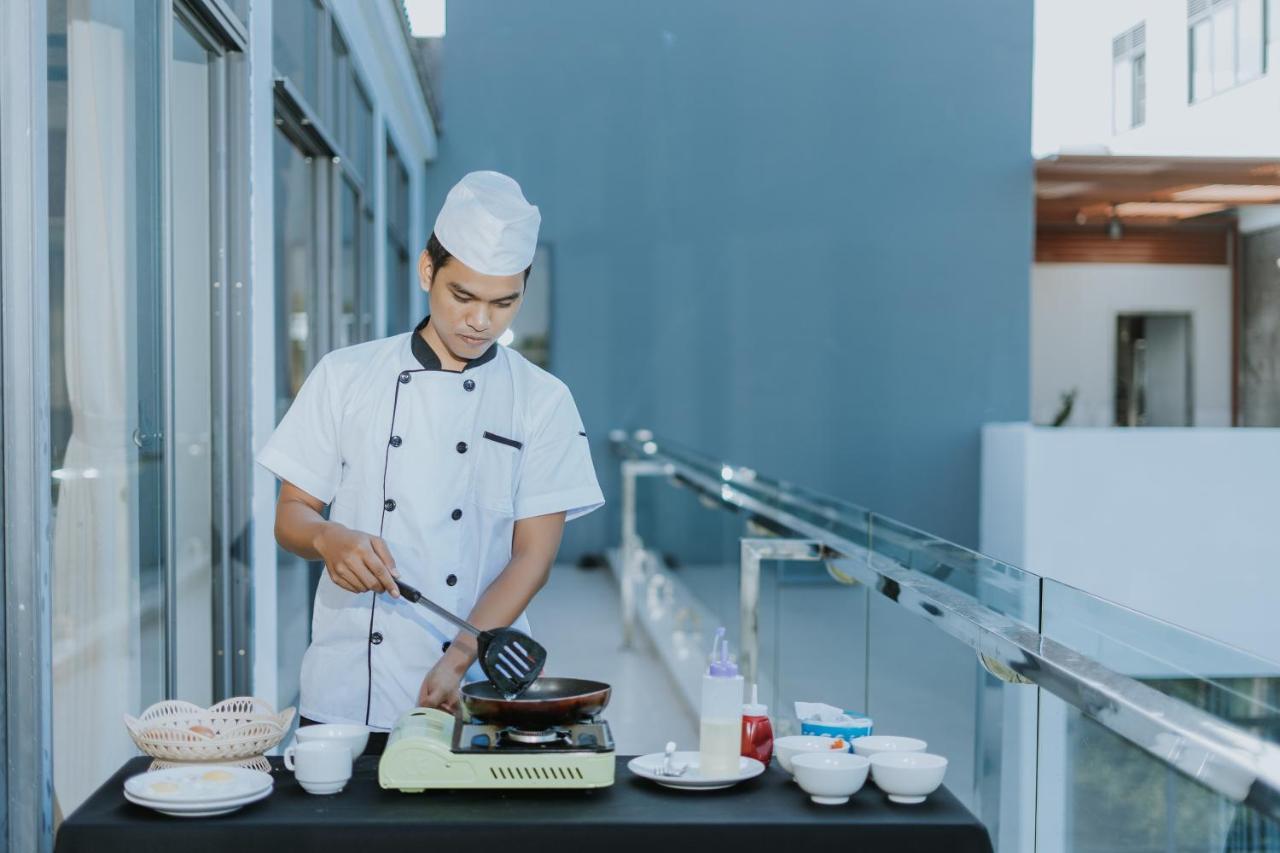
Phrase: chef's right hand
[356,561]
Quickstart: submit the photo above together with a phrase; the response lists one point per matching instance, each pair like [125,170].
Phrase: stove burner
[544,736]
[581,736]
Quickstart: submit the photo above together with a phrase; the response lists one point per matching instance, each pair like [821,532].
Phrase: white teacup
[320,766]
[354,737]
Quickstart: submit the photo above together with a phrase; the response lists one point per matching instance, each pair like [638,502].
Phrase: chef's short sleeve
[557,474]
[303,450]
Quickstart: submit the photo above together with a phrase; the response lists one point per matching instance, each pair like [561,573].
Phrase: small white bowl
[787,748]
[831,777]
[908,777]
[355,737]
[874,744]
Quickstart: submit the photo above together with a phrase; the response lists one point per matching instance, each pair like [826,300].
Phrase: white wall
[1072,99]
[1176,523]
[1073,329]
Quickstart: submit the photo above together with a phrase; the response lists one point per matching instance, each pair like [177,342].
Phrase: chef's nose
[479,319]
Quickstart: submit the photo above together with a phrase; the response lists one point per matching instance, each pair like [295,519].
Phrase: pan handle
[411,594]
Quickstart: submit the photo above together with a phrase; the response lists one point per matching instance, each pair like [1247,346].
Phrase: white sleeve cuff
[575,503]
[291,470]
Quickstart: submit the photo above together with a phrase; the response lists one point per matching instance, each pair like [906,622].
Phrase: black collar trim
[427,357]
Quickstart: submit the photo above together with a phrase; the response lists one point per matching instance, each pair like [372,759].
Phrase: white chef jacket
[441,465]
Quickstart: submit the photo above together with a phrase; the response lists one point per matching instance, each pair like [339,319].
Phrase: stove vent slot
[522,773]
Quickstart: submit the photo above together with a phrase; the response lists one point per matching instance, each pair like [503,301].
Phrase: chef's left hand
[440,688]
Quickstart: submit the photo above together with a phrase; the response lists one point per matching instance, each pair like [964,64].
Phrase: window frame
[1205,12]
[398,205]
[1128,50]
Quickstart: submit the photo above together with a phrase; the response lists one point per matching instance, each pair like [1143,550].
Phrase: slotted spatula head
[511,659]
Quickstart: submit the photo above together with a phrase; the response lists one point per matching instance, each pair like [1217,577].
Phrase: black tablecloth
[767,814]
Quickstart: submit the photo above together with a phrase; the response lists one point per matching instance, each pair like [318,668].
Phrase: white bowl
[908,777]
[355,737]
[787,748]
[829,778]
[875,744]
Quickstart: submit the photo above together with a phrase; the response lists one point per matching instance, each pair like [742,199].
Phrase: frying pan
[548,702]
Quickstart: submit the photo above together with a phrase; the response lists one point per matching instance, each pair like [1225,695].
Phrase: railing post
[752,552]
[632,574]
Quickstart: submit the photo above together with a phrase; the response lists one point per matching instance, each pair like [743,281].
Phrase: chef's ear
[426,271]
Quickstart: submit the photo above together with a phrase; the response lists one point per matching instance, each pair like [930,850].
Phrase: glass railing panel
[695,539]
[1097,790]
[1098,793]
[1228,682]
[922,682]
[813,640]
[1002,587]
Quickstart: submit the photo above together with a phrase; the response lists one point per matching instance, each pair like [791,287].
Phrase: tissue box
[860,726]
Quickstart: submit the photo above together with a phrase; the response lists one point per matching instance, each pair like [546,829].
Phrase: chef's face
[469,310]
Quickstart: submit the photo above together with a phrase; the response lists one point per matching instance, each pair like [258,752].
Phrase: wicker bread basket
[231,731]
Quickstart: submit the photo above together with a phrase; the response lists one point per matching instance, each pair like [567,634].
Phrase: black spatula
[511,659]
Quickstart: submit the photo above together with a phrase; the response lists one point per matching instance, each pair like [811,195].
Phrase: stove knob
[587,740]
[480,742]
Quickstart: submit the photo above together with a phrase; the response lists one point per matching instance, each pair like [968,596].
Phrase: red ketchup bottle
[757,731]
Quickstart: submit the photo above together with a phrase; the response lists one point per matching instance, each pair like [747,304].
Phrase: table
[769,813]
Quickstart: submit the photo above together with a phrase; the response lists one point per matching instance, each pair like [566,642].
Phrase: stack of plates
[198,791]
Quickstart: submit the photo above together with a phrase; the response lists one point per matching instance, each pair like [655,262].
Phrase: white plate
[210,809]
[646,766]
[196,805]
[192,784]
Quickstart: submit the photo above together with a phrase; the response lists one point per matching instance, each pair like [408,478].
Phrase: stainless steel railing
[1217,754]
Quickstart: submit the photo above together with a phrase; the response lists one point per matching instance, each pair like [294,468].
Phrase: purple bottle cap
[723,668]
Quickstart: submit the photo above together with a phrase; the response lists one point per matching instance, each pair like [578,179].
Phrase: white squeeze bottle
[720,736]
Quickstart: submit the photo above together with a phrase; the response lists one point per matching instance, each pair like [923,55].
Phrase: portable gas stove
[431,749]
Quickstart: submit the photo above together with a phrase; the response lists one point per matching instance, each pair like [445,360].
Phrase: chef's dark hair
[440,255]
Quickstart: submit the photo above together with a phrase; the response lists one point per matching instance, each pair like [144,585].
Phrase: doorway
[1153,370]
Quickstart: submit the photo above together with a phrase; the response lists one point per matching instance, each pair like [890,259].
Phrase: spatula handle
[411,594]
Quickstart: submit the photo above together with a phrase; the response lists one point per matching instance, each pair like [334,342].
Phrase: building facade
[209,195]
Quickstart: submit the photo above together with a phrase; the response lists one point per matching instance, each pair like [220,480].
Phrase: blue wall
[797,235]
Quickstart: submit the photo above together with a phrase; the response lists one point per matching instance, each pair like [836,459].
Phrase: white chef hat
[487,223]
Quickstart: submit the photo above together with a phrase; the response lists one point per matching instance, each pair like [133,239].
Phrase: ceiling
[1095,189]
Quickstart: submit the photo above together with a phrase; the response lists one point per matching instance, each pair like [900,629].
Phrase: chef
[445,459]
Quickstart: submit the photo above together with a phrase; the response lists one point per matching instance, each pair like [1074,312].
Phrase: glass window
[1139,68]
[368,275]
[1227,45]
[106,353]
[1201,60]
[1122,81]
[398,319]
[241,8]
[1128,78]
[339,90]
[1273,28]
[1250,35]
[295,45]
[1224,48]
[347,319]
[361,133]
[192,257]
[398,251]
[531,331]
[296,353]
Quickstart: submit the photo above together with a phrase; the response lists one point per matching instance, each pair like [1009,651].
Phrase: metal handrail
[1221,756]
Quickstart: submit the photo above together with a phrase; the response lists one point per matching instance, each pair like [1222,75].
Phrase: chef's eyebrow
[462,291]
